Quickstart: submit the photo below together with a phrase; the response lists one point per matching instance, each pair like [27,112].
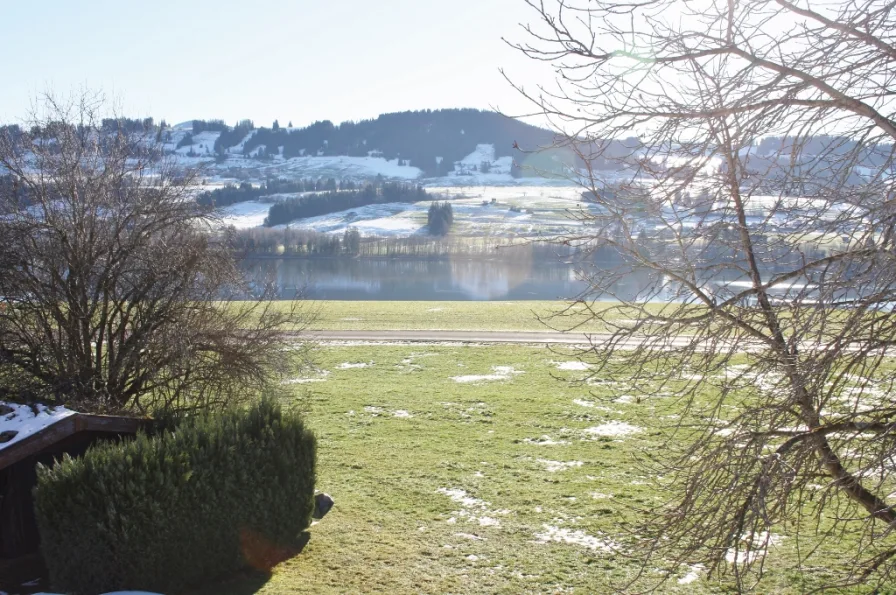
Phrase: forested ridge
[431,140]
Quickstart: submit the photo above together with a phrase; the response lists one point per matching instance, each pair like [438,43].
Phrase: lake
[482,279]
[418,279]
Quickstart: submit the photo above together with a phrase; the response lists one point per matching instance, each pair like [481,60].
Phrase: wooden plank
[79,422]
[38,441]
[111,423]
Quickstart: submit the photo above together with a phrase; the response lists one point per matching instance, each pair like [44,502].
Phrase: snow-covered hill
[462,146]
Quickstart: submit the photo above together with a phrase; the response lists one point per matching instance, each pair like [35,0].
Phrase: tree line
[312,205]
[290,242]
[231,193]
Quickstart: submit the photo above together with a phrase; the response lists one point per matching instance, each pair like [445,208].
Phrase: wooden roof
[65,427]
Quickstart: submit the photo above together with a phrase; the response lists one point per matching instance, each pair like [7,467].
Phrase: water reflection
[523,279]
[409,279]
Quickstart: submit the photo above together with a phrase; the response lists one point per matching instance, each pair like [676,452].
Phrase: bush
[169,511]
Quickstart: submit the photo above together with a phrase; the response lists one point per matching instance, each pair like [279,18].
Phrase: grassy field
[458,316]
[477,470]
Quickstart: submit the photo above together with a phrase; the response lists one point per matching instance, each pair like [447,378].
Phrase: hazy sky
[299,60]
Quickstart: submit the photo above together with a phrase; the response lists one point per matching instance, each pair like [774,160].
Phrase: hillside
[430,143]
[449,147]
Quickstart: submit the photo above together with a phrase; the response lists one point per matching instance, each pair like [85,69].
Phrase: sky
[291,60]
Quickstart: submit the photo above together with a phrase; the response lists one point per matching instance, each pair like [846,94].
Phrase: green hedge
[165,512]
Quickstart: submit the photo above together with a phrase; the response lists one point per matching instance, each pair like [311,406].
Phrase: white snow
[203,145]
[545,441]
[538,210]
[237,149]
[692,575]
[351,366]
[473,509]
[243,215]
[554,466]
[24,422]
[583,403]
[351,167]
[753,548]
[563,535]
[387,219]
[500,373]
[577,366]
[461,497]
[401,413]
[613,428]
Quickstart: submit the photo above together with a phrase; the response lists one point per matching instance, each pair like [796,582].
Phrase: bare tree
[117,290]
[758,200]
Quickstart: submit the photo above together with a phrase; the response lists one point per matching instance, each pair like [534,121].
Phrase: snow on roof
[20,421]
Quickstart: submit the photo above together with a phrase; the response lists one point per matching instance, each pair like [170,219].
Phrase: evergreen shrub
[188,505]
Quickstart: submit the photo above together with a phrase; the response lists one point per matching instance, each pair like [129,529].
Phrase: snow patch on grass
[500,373]
[472,509]
[352,366]
[753,548]
[613,428]
[461,497]
[572,366]
[554,466]
[692,575]
[401,413]
[563,535]
[583,403]
[545,441]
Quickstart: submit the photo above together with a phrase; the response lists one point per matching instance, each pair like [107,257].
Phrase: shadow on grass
[262,556]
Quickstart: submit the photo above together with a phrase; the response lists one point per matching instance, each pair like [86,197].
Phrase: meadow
[535,315]
[481,469]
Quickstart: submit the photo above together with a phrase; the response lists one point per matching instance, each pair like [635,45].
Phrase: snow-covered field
[541,210]
[239,167]
[243,215]
[482,201]
[391,218]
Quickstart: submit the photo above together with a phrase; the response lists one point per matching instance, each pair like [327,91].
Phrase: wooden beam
[65,427]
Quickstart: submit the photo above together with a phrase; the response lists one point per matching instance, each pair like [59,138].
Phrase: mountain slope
[432,141]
